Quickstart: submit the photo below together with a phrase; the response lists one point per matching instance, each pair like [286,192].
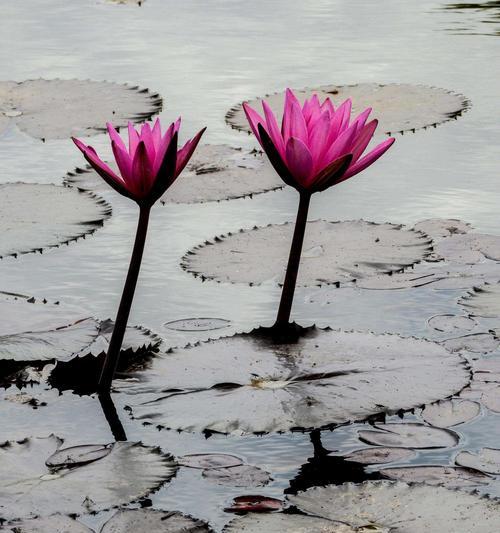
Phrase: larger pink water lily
[148,165]
[317,145]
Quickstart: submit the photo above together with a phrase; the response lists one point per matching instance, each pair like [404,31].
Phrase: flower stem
[111,361]
[292,269]
[112,417]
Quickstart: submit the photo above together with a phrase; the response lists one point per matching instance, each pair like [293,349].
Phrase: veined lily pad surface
[333,252]
[59,214]
[399,107]
[29,488]
[59,109]
[249,384]
[215,173]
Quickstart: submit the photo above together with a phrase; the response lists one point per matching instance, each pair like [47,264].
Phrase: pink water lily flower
[150,163]
[317,145]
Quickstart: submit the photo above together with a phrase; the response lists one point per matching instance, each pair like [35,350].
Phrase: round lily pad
[238,476]
[280,523]
[447,413]
[30,488]
[486,460]
[197,324]
[398,107]
[78,455]
[451,323]
[46,524]
[382,455]
[333,252]
[35,217]
[214,173]
[59,109]
[153,521]
[250,384]
[401,508]
[451,477]
[483,301]
[208,461]
[474,342]
[409,435]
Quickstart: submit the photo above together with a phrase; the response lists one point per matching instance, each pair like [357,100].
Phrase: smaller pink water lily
[150,163]
[317,145]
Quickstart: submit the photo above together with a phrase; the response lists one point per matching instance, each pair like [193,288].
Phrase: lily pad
[491,399]
[250,384]
[451,477]
[30,488]
[448,413]
[440,228]
[198,324]
[238,476]
[280,523]
[59,214]
[58,109]
[399,107]
[333,252]
[214,173]
[483,301]
[469,248]
[399,280]
[474,342]
[47,524]
[153,521]
[487,460]
[451,323]
[78,455]
[487,370]
[208,461]
[254,504]
[382,455]
[400,507]
[409,435]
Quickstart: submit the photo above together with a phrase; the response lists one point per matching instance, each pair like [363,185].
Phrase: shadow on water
[477,13]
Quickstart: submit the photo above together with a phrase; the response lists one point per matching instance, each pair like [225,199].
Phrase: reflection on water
[473,16]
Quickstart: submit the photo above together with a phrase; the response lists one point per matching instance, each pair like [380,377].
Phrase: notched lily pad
[238,476]
[451,323]
[254,504]
[59,214]
[382,455]
[448,413]
[251,384]
[399,107]
[483,301]
[440,228]
[487,460]
[411,508]
[197,324]
[409,435]
[451,477]
[59,109]
[334,252]
[280,523]
[30,488]
[214,173]
[208,461]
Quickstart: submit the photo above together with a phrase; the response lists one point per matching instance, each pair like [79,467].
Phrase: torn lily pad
[249,384]
[280,523]
[487,460]
[59,109]
[409,435]
[451,477]
[59,214]
[238,476]
[412,508]
[333,252]
[30,488]
[448,413]
[399,107]
[214,173]
[152,521]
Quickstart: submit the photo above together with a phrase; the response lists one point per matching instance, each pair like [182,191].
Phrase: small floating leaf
[208,461]
[373,456]
[447,413]
[451,477]
[238,476]
[486,460]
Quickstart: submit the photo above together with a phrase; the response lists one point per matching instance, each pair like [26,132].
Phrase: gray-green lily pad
[208,461]
[449,323]
[35,217]
[59,109]
[401,508]
[380,455]
[333,252]
[483,301]
[29,488]
[197,324]
[487,460]
[399,107]
[153,521]
[451,477]
[238,476]
[214,173]
[448,413]
[281,523]
[409,435]
[46,524]
[474,342]
[251,384]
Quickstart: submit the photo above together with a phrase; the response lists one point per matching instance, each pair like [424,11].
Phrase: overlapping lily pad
[486,460]
[452,477]
[483,301]
[279,523]
[451,323]
[29,488]
[448,413]
[59,109]
[153,521]
[238,476]
[398,507]
[334,252]
[35,217]
[379,455]
[250,384]
[399,107]
[409,435]
[215,173]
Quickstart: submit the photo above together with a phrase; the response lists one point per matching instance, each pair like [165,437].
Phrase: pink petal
[341,146]
[147,138]
[298,127]
[318,137]
[142,173]
[361,119]
[133,139]
[123,161]
[163,146]
[114,136]
[290,100]
[363,140]
[346,115]
[299,160]
[254,119]
[336,123]
[370,158]
[273,129]
[185,153]
[328,106]
[157,133]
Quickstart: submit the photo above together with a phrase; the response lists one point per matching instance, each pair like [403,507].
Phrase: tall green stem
[292,269]
[111,361]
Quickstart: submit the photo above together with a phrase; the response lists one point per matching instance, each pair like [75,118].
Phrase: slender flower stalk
[317,146]
[146,169]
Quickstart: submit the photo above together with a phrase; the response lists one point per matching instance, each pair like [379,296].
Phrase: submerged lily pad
[198,324]
[333,252]
[483,301]
[208,461]
[281,523]
[214,173]
[58,109]
[249,384]
[30,488]
[409,435]
[447,413]
[238,476]
[47,524]
[399,507]
[382,455]
[398,107]
[451,477]
[451,323]
[486,460]
[35,217]
[153,521]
